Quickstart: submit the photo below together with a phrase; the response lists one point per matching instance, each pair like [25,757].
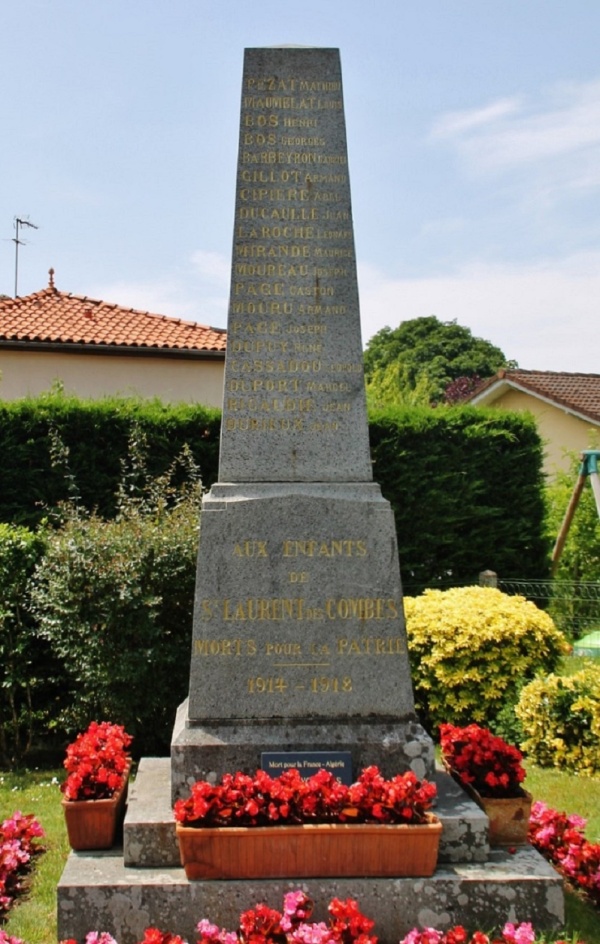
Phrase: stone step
[98,892]
[149,839]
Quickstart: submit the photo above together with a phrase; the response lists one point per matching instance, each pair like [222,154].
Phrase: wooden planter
[93,824]
[311,851]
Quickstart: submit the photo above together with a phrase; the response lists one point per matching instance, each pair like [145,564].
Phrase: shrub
[29,676]
[470,647]
[573,605]
[114,599]
[560,717]
[462,471]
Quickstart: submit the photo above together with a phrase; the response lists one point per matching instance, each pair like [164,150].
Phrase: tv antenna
[19,242]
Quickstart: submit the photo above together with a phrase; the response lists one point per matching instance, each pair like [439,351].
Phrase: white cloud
[457,122]
[212,266]
[543,315]
[513,132]
[198,292]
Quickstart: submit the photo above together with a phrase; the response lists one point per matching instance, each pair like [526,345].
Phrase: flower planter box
[310,851]
[509,818]
[93,824]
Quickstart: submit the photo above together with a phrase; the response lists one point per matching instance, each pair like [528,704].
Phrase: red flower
[483,760]
[240,800]
[96,762]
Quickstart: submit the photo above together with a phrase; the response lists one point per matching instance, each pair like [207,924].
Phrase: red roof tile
[579,393]
[53,317]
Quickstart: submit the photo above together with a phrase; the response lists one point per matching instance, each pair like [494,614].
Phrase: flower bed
[17,848]
[560,838]
[292,925]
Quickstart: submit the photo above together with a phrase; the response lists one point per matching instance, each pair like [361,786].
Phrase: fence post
[488,578]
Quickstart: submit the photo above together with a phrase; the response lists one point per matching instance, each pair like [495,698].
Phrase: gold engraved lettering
[291,385]
[262,308]
[300,122]
[250,549]
[306,329]
[298,576]
[319,426]
[261,686]
[259,347]
[312,290]
[258,327]
[324,685]
[363,608]
[342,547]
[371,646]
[253,608]
[314,310]
[337,406]
[264,425]
[225,647]
[283,649]
[270,252]
[272,404]
[262,121]
[292,366]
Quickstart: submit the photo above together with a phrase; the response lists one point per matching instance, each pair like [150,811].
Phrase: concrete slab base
[98,892]
[124,891]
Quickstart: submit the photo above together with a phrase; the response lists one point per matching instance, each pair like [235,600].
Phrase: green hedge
[96,434]
[466,486]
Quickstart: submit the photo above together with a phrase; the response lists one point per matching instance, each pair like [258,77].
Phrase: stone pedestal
[142,885]
[299,641]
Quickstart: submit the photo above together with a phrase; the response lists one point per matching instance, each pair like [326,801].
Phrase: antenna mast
[18,242]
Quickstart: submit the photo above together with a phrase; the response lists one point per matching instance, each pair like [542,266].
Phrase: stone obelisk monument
[299,641]
[299,644]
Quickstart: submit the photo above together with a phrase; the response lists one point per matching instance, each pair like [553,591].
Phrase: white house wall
[173,380]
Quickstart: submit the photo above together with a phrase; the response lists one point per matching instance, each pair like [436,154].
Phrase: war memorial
[298,641]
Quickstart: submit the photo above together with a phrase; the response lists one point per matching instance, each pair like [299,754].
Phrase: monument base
[206,753]
[124,891]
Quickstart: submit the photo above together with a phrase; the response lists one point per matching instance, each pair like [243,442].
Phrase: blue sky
[473,141]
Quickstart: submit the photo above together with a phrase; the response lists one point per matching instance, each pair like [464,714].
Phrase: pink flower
[522,934]
[99,937]
[312,934]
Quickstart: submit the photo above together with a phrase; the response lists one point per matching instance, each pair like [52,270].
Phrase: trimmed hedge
[466,486]
[96,434]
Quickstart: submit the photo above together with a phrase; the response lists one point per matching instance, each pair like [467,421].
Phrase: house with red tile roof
[94,348]
[566,408]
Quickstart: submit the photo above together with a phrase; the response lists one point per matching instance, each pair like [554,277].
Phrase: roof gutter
[111,350]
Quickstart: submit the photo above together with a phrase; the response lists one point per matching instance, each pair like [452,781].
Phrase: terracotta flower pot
[508,816]
[331,849]
[93,824]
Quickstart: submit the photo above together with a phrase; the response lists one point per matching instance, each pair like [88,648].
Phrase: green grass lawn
[34,918]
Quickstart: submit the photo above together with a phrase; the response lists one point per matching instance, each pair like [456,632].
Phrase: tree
[420,359]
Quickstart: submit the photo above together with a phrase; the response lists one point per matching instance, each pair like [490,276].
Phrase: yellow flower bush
[472,647]
[560,717]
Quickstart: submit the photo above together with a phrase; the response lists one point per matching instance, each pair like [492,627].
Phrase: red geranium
[97,762]
[483,760]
